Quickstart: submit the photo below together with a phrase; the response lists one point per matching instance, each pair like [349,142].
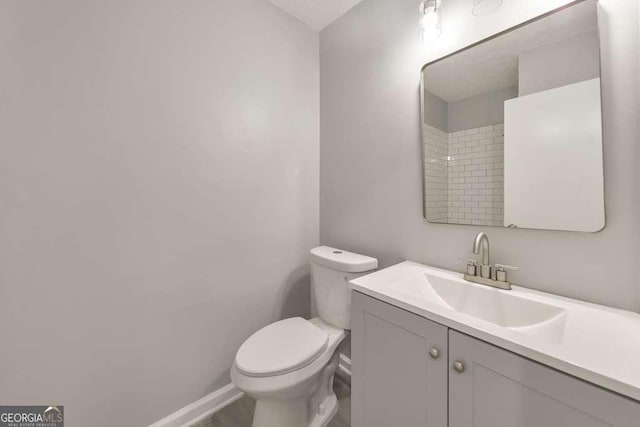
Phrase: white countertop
[595,343]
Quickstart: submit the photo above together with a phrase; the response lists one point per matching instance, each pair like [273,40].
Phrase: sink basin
[492,305]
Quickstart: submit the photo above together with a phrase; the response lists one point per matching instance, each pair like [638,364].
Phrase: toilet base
[292,413]
[331,409]
[323,405]
[315,410]
[281,413]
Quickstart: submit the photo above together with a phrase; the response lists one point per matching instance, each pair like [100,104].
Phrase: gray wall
[370,193]
[435,111]
[559,64]
[158,193]
[480,110]
[473,112]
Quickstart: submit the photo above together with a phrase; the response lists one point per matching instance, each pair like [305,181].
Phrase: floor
[240,413]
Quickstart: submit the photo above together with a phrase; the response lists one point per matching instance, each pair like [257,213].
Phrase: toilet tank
[331,270]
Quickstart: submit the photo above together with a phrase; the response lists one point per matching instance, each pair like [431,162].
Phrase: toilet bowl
[301,395]
[288,366]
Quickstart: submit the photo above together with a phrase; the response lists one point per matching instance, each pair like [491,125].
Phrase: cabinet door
[501,389]
[395,382]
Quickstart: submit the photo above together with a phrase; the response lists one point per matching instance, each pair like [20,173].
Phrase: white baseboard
[344,367]
[212,403]
[202,409]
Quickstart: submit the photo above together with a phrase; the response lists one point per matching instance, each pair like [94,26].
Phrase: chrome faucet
[485,273]
[481,243]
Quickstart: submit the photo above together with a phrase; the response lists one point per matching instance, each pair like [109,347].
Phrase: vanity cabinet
[501,389]
[396,382]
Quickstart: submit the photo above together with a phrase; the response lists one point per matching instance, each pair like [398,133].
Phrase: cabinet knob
[434,353]
[458,366]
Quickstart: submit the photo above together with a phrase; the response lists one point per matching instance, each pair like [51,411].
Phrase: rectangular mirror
[512,127]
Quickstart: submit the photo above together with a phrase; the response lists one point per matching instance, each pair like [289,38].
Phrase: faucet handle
[506,267]
[500,271]
[472,265]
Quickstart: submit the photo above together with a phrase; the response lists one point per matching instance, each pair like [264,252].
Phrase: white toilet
[288,366]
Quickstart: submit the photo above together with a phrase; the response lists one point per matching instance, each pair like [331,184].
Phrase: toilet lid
[281,347]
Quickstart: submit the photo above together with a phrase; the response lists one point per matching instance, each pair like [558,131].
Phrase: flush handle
[458,366]
[434,353]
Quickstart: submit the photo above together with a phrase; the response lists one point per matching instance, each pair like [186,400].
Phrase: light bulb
[430,20]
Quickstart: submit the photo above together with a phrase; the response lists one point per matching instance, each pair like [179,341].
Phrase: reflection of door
[553,176]
[396,382]
[500,389]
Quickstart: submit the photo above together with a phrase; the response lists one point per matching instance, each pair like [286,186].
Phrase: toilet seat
[281,347]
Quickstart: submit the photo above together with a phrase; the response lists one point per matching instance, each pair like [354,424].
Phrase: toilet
[288,366]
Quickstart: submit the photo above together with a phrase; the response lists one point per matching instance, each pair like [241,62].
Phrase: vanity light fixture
[484,7]
[430,28]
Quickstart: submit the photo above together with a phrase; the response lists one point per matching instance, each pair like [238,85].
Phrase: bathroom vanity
[431,349]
